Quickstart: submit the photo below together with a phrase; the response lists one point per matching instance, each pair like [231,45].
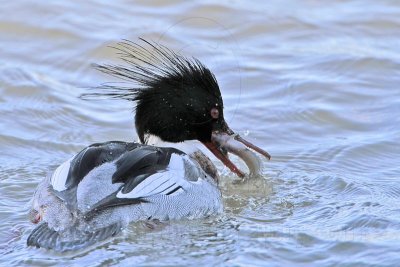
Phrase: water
[314,83]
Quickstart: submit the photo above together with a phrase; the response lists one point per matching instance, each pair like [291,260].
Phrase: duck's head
[177,99]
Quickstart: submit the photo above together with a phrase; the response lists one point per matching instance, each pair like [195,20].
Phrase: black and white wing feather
[141,172]
[96,193]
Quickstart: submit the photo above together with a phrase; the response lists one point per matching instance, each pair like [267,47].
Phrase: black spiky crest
[173,94]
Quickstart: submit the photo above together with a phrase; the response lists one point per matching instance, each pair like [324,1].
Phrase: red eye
[214,113]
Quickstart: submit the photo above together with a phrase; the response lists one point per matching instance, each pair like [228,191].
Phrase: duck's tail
[44,237]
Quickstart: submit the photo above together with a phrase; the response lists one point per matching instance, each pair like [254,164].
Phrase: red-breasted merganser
[100,190]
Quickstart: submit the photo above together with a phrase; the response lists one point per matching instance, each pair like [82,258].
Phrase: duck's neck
[189,147]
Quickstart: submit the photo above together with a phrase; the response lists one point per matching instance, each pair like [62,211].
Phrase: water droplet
[246,133]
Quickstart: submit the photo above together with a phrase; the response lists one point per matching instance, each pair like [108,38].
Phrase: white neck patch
[189,147]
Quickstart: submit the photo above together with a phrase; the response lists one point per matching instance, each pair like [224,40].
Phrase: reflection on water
[315,84]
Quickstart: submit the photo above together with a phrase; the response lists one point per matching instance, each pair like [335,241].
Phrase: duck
[164,176]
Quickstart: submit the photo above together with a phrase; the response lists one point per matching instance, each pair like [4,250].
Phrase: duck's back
[105,186]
